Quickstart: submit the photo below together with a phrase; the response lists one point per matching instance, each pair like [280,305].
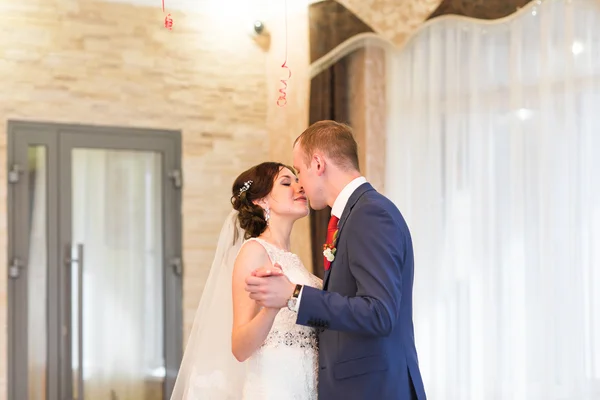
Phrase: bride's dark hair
[252,185]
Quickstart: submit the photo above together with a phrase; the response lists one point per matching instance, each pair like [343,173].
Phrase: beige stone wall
[286,123]
[91,62]
[114,64]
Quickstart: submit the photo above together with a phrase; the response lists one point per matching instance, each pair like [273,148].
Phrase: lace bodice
[286,366]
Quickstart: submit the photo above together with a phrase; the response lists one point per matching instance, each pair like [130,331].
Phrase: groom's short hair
[334,139]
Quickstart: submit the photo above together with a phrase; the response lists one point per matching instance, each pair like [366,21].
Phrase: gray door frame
[59,140]
[18,245]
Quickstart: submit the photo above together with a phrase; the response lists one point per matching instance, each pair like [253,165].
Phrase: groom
[364,312]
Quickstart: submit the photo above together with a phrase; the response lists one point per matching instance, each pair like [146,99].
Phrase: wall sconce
[259,27]
[261,35]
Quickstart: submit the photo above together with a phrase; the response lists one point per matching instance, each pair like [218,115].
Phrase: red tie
[331,228]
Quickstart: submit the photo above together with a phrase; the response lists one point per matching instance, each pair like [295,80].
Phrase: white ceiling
[203,5]
[181,5]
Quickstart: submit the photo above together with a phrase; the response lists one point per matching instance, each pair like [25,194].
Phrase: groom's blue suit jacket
[364,312]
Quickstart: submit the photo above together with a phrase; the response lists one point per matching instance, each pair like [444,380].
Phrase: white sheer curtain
[494,159]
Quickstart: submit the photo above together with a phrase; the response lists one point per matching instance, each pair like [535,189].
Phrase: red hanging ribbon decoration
[168,18]
[282,99]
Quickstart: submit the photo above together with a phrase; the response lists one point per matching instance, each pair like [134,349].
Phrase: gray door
[95,268]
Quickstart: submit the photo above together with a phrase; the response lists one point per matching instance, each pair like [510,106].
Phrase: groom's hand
[271,291]
[264,271]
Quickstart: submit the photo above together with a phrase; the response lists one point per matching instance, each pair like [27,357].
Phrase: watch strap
[297,291]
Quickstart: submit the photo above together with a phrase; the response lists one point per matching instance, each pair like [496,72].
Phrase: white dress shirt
[338,208]
[340,202]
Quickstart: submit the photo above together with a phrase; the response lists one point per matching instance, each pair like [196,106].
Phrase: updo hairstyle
[252,185]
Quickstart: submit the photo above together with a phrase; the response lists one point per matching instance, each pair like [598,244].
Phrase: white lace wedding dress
[285,367]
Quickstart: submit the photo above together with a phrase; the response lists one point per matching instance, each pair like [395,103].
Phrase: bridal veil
[208,369]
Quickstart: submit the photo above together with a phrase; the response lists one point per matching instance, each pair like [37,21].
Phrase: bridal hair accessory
[245,187]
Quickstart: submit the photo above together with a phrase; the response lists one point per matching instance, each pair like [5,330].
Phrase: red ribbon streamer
[168,18]
[282,99]
[169,22]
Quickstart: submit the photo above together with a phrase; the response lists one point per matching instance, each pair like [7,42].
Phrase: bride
[236,349]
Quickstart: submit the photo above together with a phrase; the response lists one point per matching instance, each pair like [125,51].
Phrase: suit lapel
[326,277]
[362,189]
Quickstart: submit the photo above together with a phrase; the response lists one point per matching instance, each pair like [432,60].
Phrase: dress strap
[266,246]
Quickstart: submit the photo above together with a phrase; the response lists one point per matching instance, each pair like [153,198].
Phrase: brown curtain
[489,9]
[328,100]
[330,24]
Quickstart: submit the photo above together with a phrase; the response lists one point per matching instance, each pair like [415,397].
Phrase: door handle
[80,263]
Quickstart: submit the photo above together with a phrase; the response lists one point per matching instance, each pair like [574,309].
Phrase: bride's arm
[315,281]
[251,323]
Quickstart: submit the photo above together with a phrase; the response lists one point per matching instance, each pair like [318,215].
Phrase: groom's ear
[319,164]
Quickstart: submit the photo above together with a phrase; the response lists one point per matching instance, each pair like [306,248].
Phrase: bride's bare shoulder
[252,255]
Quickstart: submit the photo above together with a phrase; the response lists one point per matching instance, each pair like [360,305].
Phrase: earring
[267,215]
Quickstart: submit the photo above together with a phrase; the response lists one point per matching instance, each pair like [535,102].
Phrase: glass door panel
[36,272]
[116,279]
[94,288]
[30,265]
